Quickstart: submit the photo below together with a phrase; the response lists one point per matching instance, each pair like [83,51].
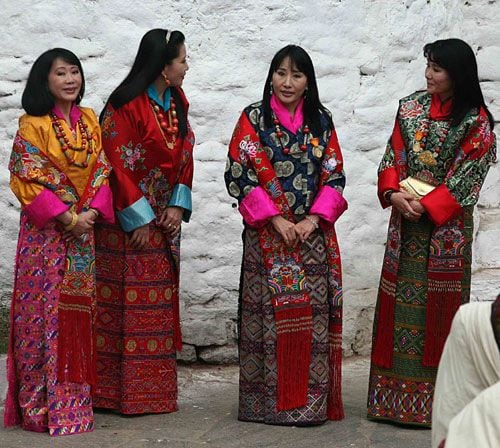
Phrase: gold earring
[167,82]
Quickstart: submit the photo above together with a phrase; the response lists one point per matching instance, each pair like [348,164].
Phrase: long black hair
[312,105]
[37,99]
[153,54]
[458,59]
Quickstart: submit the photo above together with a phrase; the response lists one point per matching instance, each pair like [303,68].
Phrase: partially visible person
[149,142]
[285,169]
[59,174]
[467,397]
[431,174]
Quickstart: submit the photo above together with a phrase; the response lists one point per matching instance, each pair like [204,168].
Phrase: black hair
[312,105]
[153,54]
[458,59]
[37,99]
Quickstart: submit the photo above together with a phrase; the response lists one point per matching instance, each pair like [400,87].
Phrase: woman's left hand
[305,227]
[170,220]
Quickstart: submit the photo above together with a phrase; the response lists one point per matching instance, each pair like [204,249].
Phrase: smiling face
[289,84]
[64,82]
[438,80]
[176,70]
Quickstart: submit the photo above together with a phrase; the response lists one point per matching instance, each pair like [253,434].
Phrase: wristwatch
[387,195]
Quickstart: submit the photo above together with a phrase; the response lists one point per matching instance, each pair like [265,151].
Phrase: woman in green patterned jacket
[431,174]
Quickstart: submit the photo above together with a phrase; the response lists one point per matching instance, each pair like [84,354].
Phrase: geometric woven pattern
[400,400]
[44,403]
[258,373]
[136,357]
[404,393]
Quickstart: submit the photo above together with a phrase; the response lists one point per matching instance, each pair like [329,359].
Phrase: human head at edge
[458,59]
[37,99]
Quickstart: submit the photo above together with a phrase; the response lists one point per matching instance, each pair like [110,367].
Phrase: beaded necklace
[66,146]
[168,124]
[308,137]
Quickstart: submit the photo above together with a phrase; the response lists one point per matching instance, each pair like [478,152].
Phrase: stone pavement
[208,403]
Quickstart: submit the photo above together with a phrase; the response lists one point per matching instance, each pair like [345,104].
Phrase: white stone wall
[367,54]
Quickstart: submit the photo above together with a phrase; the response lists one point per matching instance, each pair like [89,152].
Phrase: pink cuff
[45,207]
[103,203]
[329,204]
[257,207]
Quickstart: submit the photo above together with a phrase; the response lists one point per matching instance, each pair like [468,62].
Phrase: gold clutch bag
[416,187]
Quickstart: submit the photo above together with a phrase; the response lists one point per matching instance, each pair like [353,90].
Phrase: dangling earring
[167,82]
[270,87]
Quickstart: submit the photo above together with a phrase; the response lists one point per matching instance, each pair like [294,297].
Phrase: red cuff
[440,205]
[387,180]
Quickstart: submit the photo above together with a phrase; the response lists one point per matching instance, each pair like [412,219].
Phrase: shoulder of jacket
[419,95]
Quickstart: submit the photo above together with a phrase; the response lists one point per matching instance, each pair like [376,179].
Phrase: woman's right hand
[402,201]
[286,229]
[140,237]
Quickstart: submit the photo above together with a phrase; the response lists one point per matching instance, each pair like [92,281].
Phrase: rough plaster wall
[367,54]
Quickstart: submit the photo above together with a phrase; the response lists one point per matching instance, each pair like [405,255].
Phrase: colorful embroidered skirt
[403,394]
[36,400]
[136,358]
[257,399]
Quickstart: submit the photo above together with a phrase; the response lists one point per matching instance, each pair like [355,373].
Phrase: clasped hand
[84,224]
[170,223]
[290,232]
[409,207]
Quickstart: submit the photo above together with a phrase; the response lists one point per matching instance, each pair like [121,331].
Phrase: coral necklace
[168,123]
[66,146]
[279,134]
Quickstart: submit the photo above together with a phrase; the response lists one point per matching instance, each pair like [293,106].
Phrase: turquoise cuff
[181,197]
[136,215]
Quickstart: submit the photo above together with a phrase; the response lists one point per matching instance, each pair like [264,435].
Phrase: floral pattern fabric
[433,163]
[43,393]
[297,171]
[136,148]
[138,323]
